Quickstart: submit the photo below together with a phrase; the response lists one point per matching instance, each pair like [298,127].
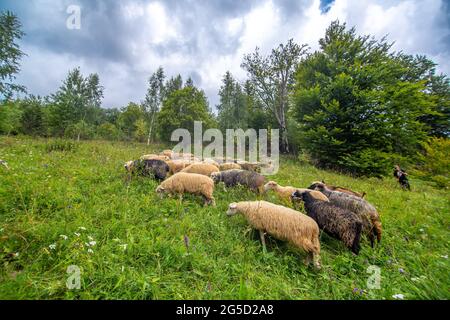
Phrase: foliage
[354,105]
[180,110]
[10,116]
[232,112]
[10,53]
[434,162]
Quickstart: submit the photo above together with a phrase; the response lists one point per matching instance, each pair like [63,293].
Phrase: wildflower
[401,270]
[77,234]
[52,246]
[92,243]
[421,230]
[16,254]
[82,228]
[398,296]
[90,238]
[445,257]
[124,246]
[90,251]
[63,236]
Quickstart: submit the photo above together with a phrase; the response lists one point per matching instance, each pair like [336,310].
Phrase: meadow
[65,203]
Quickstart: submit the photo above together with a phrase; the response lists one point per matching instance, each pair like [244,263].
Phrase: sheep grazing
[357,205]
[168,153]
[193,183]
[234,177]
[229,166]
[250,166]
[341,189]
[154,157]
[286,192]
[201,168]
[211,161]
[156,168]
[282,223]
[339,223]
[177,165]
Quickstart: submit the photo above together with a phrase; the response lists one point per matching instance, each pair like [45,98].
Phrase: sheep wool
[282,223]
[154,157]
[363,208]
[339,223]
[229,166]
[341,189]
[154,167]
[193,183]
[201,168]
[235,177]
[286,192]
[177,165]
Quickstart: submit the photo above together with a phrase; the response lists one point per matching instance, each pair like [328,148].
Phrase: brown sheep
[193,183]
[282,223]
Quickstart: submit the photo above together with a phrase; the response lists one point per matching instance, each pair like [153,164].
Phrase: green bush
[434,162]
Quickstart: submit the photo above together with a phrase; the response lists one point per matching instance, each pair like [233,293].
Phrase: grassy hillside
[53,203]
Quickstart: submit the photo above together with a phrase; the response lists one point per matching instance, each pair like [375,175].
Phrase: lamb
[282,223]
[234,177]
[156,168]
[201,168]
[183,182]
[229,166]
[341,189]
[339,223]
[355,204]
[154,157]
[286,192]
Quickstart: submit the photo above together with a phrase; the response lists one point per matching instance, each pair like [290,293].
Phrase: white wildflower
[445,257]
[124,246]
[92,243]
[16,254]
[63,236]
[52,246]
[82,228]
[398,296]
[90,238]
[77,234]
[90,251]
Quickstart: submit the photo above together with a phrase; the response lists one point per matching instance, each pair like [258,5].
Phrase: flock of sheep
[340,212]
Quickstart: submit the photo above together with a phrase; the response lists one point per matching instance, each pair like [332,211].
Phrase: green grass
[140,251]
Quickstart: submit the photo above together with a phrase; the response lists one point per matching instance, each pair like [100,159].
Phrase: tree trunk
[150,130]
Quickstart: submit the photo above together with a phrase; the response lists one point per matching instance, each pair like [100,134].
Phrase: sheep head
[215,176]
[316,185]
[129,165]
[271,185]
[232,209]
[160,190]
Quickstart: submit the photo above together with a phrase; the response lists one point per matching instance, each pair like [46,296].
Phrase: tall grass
[77,208]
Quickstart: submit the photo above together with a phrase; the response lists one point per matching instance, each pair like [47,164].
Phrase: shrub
[434,161]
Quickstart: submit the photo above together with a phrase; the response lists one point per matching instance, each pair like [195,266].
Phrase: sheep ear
[233,205]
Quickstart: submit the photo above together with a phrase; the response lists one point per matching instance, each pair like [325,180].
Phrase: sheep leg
[263,240]
[316,259]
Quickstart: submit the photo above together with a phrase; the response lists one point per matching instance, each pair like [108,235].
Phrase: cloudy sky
[125,41]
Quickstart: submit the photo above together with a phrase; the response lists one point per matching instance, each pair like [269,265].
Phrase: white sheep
[201,168]
[282,223]
[193,183]
[286,192]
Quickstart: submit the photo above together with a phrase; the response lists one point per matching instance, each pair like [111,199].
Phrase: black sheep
[339,223]
[234,177]
[156,168]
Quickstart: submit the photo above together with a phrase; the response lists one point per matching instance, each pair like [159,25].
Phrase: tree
[356,109]
[10,115]
[128,118]
[232,113]
[77,99]
[180,109]
[272,77]
[153,98]
[140,129]
[32,117]
[172,85]
[10,53]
